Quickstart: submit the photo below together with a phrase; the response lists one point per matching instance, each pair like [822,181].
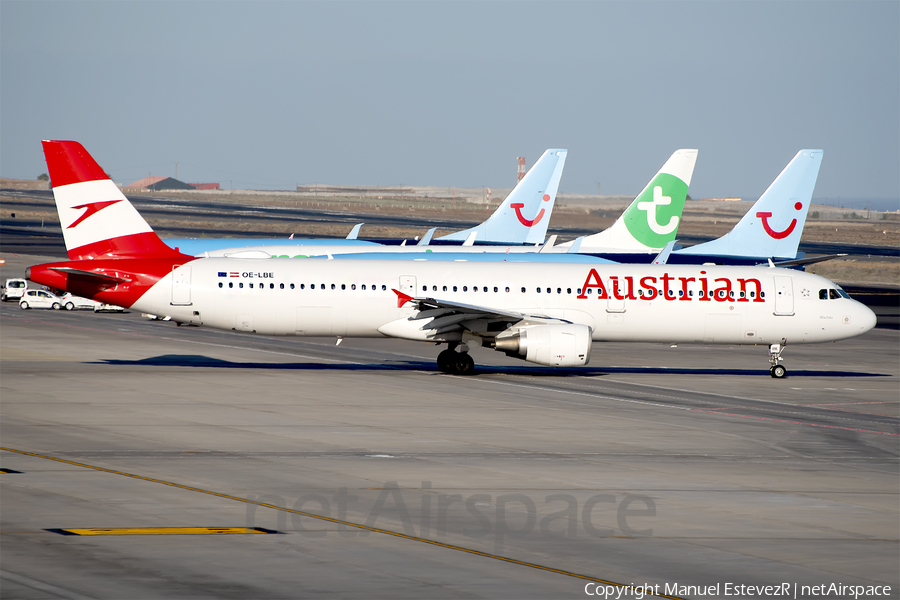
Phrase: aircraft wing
[444,316]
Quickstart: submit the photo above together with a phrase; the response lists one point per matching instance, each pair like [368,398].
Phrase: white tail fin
[651,220]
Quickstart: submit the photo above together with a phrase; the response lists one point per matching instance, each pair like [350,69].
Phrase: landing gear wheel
[69,306]
[446,359]
[464,365]
[776,370]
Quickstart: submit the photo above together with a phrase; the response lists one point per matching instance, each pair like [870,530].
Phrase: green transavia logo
[653,219]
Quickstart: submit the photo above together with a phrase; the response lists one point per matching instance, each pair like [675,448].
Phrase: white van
[14,289]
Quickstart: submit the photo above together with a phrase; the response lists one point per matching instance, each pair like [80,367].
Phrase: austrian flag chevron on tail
[97,220]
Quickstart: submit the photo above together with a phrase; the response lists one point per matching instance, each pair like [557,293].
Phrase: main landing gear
[456,360]
[776,370]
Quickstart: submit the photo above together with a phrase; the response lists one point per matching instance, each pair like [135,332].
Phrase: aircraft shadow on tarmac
[194,360]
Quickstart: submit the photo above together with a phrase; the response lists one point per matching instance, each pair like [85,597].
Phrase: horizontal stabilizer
[90,275]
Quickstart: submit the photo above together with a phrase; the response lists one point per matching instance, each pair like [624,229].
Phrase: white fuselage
[350,298]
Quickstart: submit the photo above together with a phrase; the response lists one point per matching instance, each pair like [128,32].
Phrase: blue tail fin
[773,226]
[524,215]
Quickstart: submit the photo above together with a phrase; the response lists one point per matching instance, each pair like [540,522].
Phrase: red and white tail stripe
[97,219]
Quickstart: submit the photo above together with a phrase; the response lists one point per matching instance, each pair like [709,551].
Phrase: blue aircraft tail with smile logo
[774,224]
[524,215]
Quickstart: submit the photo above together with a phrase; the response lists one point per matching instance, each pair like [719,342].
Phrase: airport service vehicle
[13,289]
[661,199]
[39,299]
[521,219]
[545,314]
[72,302]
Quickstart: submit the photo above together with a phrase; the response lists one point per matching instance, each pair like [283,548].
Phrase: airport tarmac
[382,477]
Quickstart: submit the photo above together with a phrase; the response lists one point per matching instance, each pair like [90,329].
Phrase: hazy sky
[269,95]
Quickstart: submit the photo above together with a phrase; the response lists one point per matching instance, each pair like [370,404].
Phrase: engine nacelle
[563,345]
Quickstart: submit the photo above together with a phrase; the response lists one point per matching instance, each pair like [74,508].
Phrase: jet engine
[555,345]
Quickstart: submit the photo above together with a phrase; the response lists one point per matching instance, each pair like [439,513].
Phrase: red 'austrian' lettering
[750,288]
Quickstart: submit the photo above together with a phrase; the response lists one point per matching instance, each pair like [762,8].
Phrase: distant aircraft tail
[773,226]
[652,219]
[97,220]
[524,215]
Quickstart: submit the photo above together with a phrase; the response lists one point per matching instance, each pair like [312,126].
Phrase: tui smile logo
[518,206]
[91,208]
[778,235]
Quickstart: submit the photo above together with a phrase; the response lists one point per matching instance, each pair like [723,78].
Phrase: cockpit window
[833,294]
[843,294]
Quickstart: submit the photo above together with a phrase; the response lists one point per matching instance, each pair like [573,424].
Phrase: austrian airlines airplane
[545,314]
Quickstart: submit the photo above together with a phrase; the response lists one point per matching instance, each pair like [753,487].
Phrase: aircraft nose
[865,318]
